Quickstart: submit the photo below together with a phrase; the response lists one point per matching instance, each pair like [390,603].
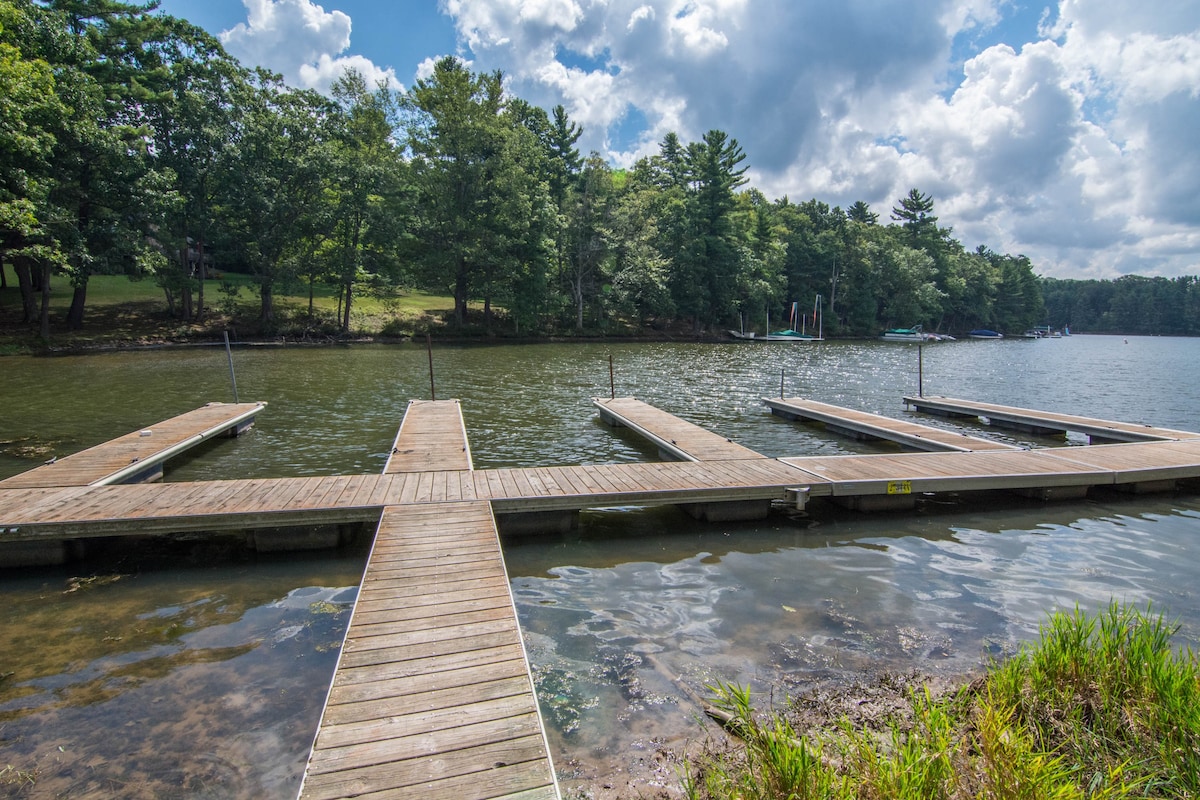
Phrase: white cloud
[301,41]
[1072,144]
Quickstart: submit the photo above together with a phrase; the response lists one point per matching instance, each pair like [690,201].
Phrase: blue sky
[1061,130]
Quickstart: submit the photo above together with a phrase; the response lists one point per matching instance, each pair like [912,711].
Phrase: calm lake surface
[200,670]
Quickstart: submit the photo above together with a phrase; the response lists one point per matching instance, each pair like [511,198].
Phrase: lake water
[200,670]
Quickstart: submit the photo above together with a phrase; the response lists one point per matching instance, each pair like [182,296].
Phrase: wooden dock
[139,456]
[148,509]
[675,438]
[864,425]
[432,696]
[432,436]
[1046,423]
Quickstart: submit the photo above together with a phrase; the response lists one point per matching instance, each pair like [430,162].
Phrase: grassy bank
[1099,707]
[121,312]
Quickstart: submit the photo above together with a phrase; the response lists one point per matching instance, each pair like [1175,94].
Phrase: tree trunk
[78,300]
[25,282]
[460,293]
[346,309]
[577,290]
[3,274]
[44,272]
[185,293]
[267,312]
[203,272]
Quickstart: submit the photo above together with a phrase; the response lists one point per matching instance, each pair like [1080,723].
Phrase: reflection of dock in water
[432,696]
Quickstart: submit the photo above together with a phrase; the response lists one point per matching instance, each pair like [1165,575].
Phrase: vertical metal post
[232,377]
[781,372]
[429,349]
[612,381]
[920,370]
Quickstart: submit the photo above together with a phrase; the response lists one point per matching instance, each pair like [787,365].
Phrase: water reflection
[201,672]
[201,682]
[625,637]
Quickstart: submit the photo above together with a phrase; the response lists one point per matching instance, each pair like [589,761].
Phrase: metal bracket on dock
[798,496]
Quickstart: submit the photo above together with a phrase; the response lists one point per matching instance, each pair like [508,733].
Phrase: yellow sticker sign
[899,487]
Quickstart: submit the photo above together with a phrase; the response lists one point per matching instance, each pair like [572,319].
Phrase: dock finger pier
[432,696]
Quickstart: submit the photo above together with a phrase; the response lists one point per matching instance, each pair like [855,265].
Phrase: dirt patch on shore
[875,703]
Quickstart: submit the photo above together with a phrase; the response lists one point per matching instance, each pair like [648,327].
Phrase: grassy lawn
[123,311]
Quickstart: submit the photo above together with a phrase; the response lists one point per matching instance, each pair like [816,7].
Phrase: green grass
[121,311]
[1099,707]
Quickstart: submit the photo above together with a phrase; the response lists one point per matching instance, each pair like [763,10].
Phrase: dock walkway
[432,696]
[1046,422]
[864,425]
[432,436]
[139,456]
[675,438]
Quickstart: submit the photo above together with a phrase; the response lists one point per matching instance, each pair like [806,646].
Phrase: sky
[1068,132]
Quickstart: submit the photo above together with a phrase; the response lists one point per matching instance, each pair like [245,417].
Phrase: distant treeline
[1131,304]
[131,143]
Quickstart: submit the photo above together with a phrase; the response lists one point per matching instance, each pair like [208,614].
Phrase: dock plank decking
[673,436]
[1048,422]
[431,437]
[432,695]
[139,455]
[862,424]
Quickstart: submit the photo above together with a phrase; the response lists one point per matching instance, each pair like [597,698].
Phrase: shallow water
[201,670]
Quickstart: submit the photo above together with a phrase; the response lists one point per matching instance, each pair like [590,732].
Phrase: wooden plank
[441,691]
[874,426]
[113,461]
[493,770]
[996,414]
[670,434]
[419,695]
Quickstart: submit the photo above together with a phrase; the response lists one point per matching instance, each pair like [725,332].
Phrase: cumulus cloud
[301,41]
[1071,144]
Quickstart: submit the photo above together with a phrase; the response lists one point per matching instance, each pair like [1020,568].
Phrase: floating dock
[432,696]
[138,457]
[675,438]
[1046,423]
[432,437]
[864,425]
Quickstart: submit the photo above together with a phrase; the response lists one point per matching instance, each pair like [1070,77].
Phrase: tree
[107,194]
[861,212]
[369,219]
[31,114]
[191,124]
[704,273]
[275,208]
[477,169]
[915,215]
[588,211]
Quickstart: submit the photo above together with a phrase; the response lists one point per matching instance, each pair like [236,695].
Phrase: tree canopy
[131,143]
